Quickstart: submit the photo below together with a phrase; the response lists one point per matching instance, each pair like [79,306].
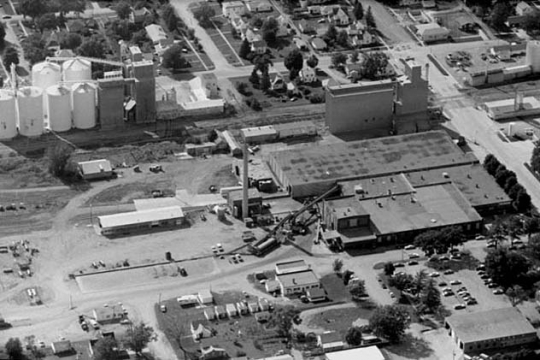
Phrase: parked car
[397,265]
[442,283]
[410,247]
[163,308]
[414,256]
[472,301]
[448,272]
[434,274]
[492,285]
[498,292]
[460,306]
[84,326]
[444,258]
[479,237]
[455,282]
[412,262]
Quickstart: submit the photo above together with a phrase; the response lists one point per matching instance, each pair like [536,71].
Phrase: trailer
[264,246]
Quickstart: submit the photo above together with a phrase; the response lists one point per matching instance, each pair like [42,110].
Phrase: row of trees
[422,288]
[374,64]
[439,241]
[508,181]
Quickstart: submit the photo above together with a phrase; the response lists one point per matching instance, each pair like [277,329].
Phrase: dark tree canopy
[358,10]
[506,268]
[312,61]
[2,33]
[204,14]
[370,19]
[33,8]
[71,41]
[491,164]
[138,337]
[430,296]
[535,158]
[123,9]
[92,47]
[34,48]
[173,59]
[390,322]
[374,64]
[105,349]
[245,49]
[294,62]
[11,56]
[14,349]
[499,15]
[282,319]
[389,268]
[354,336]
[339,59]
[269,29]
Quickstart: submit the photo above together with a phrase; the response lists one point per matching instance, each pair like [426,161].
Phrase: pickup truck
[248,236]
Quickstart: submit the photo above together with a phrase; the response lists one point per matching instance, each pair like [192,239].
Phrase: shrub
[306,92]
[316,99]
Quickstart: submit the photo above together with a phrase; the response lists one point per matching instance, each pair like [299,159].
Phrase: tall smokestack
[245,184]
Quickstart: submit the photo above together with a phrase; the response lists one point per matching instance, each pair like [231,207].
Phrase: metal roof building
[298,282]
[125,223]
[370,352]
[490,329]
[95,169]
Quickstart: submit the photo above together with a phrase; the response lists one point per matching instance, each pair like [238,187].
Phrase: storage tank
[533,55]
[30,104]
[59,108]
[45,74]
[83,99]
[77,69]
[8,115]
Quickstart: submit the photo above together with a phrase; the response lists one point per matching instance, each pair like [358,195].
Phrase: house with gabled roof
[200,329]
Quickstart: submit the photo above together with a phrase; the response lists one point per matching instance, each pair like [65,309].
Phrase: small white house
[340,18]
[205,297]
[231,310]
[258,46]
[432,32]
[233,8]
[307,75]
[277,83]
[259,6]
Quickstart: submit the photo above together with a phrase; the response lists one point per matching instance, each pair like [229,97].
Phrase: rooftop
[291,265]
[330,337]
[369,158]
[109,312]
[95,166]
[491,324]
[155,32]
[358,88]
[298,278]
[236,195]
[140,217]
[508,105]
[258,131]
[379,186]
[430,207]
[257,169]
[370,352]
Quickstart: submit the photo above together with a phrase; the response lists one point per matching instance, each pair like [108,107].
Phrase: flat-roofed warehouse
[129,222]
[313,170]
[498,328]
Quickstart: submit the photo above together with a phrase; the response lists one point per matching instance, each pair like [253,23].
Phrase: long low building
[129,222]
[298,282]
[492,329]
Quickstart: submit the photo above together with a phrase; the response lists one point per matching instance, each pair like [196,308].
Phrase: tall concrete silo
[59,108]
[30,105]
[45,74]
[83,99]
[8,115]
[77,69]
[533,55]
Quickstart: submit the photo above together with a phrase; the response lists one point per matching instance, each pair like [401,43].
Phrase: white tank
[77,69]
[59,108]
[8,115]
[84,105]
[30,104]
[533,55]
[45,74]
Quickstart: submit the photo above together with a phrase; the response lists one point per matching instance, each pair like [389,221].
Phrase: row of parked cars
[489,282]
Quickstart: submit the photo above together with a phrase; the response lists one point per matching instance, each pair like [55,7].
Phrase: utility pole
[70,302]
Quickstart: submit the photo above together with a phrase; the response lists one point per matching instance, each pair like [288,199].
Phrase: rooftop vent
[413,200]
[445,175]
[434,220]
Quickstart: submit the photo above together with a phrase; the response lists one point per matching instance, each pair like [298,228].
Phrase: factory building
[376,106]
[144,89]
[111,100]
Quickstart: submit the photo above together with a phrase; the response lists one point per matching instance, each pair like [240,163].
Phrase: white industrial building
[510,108]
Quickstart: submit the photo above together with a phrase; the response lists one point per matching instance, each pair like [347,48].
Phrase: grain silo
[59,108]
[45,74]
[8,118]
[84,105]
[30,104]
[533,55]
[77,69]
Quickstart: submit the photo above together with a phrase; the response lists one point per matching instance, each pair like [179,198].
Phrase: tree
[123,9]
[516,294]
[347,275]
[254,79]
[282,319]
[401,281]
[2,34]
[499,15]
[515,190]
[343,39]
[523,201]
[370,19]
[138,337]
[34,48]
[454,236]
[337,265]
[389,268]
[355,56]
[173,59]
[354,336]
[262,62]
[312,61]
[269,30]
[76,6]
[245,49]
[59,158]
[535,158]
[374,64]
[92,47]
[294,62]
[71,41]
[430,296]
[358,10]
[531,226]
[358,289]
[265,81]
[510,183]
[531,23]
[502,175]
[339,59]
[390,322]
[32,8]
[534,246]
[204,14]
[11,56]
[427,241]
[506,268]
[46,21]
[491,164]
[14,349]
[106,349]
[331,35]
[169,16]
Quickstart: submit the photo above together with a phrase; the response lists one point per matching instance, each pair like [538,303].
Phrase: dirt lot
[239,336]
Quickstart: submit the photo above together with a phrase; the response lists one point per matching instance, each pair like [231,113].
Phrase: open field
[339,320]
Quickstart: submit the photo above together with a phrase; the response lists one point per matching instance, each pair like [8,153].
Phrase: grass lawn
[240,336]
[281,100]
[335,289]
[339,320]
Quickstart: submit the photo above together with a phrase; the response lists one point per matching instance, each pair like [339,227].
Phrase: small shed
[242,308]
[205,297]
[231,310]
[272,286]
[264,305]
[221,313]
[95,169]
[200,329]
[210,314]
[316,295]
[253,307]
[62,347]
[319,44]
[262,316]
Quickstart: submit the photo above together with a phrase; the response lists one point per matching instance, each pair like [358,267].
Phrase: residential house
[314,10]
[298,283]
[239,25]
[355,29]
[205,297]
[319,44]
[253,307]
[353,71]
[213,353]
[278,83]
[282,31]
[429,4]
[200,329]
[221,313]
[305,26]
[231,310]
[259,46]
[137,16]
[329,10]
[363,39]
[242,308]
[95,169]
[158,35]
[464,23]
[340,18]
[233,8]
[109,314]
[330,341]
[523,8]
[53,40]
[251,36]
[62,348]
[292,89]
[301,44]
[76,26]
[210,314]
[316,295]
[432,32]
[259,6]
[64,53]
[264,304]
[262,316]
[308,75]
